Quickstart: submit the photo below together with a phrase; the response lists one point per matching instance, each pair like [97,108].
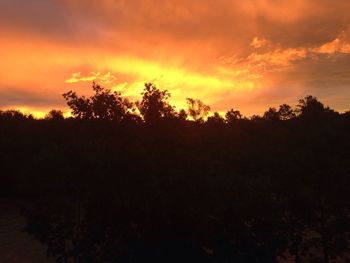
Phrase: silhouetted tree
[286,112]
[311,109]
[154,104]
[256,118]
[182,115]
[103,105]
[233,115]
[108,105]
[81,107]
[272,115]
[14,115]
[197,110]
[54,115]
[216,119]
[180,191]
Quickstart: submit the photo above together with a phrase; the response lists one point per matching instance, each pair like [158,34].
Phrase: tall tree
[154,104]
[108,105]
[104,104]
[310,108]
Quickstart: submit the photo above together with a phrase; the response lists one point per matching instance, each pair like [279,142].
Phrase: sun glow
[194,52]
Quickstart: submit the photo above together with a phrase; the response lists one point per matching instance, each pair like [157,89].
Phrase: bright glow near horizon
[231,54]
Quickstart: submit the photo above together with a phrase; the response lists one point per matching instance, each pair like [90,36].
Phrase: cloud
[225,22]
[14,97]
[50,19]
[248,53]
[259,42]
[104,79]
[338,45]
[276,58]
[267,56]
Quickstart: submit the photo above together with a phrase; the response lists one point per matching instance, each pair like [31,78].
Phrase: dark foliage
[111,186]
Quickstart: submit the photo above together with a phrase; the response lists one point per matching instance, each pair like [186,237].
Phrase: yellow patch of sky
[47,67]
[181,83]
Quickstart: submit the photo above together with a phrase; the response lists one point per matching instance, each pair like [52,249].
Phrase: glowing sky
[246,55]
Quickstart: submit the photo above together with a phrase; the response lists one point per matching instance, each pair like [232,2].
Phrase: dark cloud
[13,96]
[327,78]
[226,23]
[49,19]
[44,16]
[318,22]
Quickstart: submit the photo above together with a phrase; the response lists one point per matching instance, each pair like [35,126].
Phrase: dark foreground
[174,190]
[17,246]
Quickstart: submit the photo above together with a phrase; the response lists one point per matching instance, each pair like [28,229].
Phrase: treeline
[154,107]
[143,182]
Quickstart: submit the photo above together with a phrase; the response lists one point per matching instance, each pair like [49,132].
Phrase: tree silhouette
[272,115]
[309,103]
[81,107]
[310,108]
[103,105]
[216,119]
[197,110]
[112,189]
[286,112]
[182,115]
[108,105]
[233,115]
[256,118]
[54,115]
[14,115]
[154,104]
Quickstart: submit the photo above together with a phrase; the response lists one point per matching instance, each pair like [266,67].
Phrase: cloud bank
[231,54]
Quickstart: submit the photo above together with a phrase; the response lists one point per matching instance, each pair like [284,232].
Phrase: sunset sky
[246,55]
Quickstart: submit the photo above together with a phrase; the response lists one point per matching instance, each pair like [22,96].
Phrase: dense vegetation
[143,182]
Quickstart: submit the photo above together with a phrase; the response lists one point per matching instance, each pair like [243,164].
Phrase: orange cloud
[105,79]
[277,58]
[259,42]
[338,45]
[243,54]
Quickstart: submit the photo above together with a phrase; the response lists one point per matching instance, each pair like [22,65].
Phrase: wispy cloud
[105,79]
[338,45]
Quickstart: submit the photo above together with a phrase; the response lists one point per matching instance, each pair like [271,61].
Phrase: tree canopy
[142,182]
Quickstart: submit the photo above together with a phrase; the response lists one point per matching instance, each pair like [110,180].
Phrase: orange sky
[246,55]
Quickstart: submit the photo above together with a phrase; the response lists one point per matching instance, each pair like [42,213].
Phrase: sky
[247,55]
